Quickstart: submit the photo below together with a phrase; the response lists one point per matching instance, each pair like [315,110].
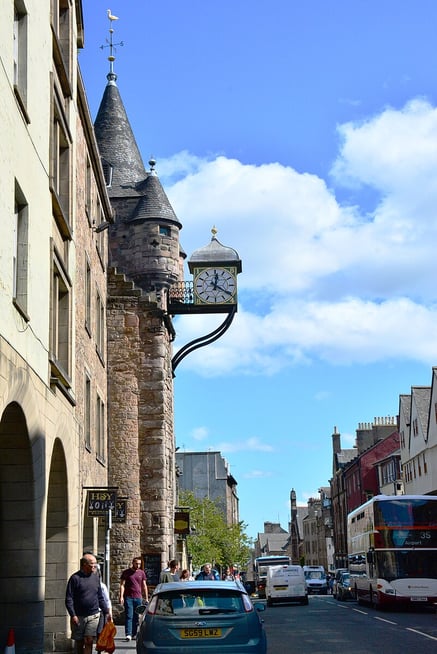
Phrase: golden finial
[214,231]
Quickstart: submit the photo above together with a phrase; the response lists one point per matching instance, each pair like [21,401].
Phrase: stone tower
[145,260]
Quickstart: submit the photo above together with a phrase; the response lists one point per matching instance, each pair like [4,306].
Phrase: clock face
[215,286]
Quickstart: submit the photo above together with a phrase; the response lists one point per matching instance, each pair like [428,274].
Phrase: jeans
[131,618]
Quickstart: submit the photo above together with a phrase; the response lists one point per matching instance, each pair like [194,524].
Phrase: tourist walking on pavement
[208,573]
[133,589]
[84,601]
[170,574]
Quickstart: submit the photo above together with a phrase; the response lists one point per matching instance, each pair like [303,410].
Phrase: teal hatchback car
[208,617]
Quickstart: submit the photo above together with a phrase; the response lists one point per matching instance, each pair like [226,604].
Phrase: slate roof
[405,408]
[217,253]
[422,397]
[273,542]
[346,456]
[117,144]
[154,203]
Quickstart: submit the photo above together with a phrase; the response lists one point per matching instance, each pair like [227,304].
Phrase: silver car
[208,617]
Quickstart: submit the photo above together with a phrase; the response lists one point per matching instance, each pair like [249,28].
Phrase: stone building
[418,438]
[317,531]
[368,435]
[53,367]
[146,260]
[207,474]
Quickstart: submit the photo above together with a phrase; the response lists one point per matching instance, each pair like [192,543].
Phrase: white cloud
[199,433]
[321,280]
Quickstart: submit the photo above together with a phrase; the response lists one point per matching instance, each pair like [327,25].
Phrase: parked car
[207,617]
[337,574]
[344,588]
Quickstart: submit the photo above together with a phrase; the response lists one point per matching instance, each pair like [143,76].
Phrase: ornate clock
[215,285]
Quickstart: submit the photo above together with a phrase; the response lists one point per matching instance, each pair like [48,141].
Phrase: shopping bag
[105,642]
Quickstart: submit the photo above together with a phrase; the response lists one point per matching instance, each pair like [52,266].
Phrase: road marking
[384,620]
[358,611]
[421,633]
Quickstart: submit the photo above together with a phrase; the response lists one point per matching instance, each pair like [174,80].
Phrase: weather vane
[110,44]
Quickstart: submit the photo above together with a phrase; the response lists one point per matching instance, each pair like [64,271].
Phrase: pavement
[121,646]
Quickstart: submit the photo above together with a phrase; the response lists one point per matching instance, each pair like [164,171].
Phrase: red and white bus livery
[392,550]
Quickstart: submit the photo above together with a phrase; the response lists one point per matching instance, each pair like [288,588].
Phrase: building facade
[53,265]
[418,438]
[207,474]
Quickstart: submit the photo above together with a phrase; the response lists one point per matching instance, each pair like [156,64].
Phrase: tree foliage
[212,539]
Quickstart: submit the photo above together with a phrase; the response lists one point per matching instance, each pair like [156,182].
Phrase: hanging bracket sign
[99,501]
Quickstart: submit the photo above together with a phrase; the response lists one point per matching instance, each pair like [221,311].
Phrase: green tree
[213,539]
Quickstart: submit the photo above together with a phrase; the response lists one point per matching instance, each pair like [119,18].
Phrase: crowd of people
[89,606]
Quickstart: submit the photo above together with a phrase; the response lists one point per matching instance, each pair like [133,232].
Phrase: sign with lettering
[100,500]
[120,510]
[152,568]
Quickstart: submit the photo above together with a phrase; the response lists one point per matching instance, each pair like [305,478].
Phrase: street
[327,626]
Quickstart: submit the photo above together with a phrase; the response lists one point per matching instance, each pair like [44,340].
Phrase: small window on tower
[164,230]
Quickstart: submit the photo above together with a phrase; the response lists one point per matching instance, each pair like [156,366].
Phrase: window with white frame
[87,411]
[100,325]
[60,322]
[21,251]
[87,295]
[20,54]
[100,429]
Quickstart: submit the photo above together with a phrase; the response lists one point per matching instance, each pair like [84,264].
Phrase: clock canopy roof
[213,254]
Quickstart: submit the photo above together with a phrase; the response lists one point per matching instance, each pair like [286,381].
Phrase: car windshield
[314,574]
[345,579]
[202,602]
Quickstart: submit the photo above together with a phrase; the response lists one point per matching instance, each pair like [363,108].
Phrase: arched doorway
[55,619]
[21,499]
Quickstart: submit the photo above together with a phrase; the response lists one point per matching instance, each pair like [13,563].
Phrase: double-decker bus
[392,550]
[261,564]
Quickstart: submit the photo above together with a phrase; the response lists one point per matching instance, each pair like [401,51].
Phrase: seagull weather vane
[110,44]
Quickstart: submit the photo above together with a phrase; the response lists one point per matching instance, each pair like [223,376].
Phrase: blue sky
[306,132]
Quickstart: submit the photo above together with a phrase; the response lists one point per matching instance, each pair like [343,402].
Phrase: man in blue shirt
[208,573]
[84,601]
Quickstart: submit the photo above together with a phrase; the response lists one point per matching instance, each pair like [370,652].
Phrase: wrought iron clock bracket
[203,340]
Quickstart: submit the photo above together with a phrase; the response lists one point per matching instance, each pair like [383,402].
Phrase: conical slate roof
[117,144]
[154,203]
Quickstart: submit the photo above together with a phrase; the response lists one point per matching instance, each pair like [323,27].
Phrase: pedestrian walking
[208,573]
[84,601]
[133,589]
[170,574]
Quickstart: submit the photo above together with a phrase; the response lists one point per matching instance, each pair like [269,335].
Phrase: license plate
[280,587]
[419,599]
[211,632]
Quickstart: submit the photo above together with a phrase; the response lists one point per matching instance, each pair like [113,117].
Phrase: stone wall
[141,425]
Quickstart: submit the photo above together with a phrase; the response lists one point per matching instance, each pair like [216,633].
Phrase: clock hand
[225,290]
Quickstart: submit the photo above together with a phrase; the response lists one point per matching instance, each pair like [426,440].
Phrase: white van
[286,583]
[315,577]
